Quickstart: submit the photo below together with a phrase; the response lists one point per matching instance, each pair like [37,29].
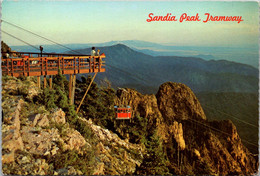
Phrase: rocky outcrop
[13,91]
[143,105]
[176,101]
[39,141]
[114,155]
[58,116]
[32,136]
[40,120]
[201,146]
[237,151]
[176,131]
[12,140]
[73,140]
[15,86]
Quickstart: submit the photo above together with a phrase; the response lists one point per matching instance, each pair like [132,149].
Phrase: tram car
[123,112]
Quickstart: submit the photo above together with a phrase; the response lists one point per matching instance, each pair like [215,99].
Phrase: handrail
[53,54]
[37,66]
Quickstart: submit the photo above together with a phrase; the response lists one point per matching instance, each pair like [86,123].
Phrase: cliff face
[144,105]
[177,102]
[193,144]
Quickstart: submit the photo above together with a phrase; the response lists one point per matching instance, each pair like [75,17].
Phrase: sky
[97,22]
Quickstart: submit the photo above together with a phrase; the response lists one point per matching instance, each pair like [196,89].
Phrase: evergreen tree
[60,81]
[98,103]
[47,98]
[155,162]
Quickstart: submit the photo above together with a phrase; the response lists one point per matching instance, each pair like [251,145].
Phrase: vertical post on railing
[62,65]
[79,64]
[94,62]
[99,63]
[12,64]
[23,67]
[58,63]
[75,65]
[42,65]
[89,64]
[46,66]
[28,65]
[7,66]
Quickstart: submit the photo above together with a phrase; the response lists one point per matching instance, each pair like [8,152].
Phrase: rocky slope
[194,145]
[40,142]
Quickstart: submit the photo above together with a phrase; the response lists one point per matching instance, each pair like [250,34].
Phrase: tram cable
[121,71]
[68,49]
[39,36]
[233,117]
[221,132]
[19,39]
[134,76]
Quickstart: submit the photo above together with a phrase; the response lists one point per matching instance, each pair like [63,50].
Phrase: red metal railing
[31,64]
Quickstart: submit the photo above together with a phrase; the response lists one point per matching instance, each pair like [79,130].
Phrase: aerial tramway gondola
[122,112]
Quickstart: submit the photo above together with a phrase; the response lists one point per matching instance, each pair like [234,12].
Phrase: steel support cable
[222,131]
[68,48]
[233,117]
[135,76]
[39,36]
[20,39]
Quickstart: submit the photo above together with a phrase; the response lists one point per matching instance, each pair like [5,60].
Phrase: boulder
[41,120]
[58,116]
[74,140]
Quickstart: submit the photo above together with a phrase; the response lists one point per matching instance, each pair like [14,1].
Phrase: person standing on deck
[41,48]
[93,52]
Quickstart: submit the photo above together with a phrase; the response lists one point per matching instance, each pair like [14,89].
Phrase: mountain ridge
[128,67]
[246,55]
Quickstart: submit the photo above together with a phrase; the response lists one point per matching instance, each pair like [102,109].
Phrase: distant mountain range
[246,55]
[129,68]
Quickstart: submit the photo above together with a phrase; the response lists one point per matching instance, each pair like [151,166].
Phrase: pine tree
[155,162]
[98,104]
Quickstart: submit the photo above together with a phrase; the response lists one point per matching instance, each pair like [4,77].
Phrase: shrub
[81,161]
